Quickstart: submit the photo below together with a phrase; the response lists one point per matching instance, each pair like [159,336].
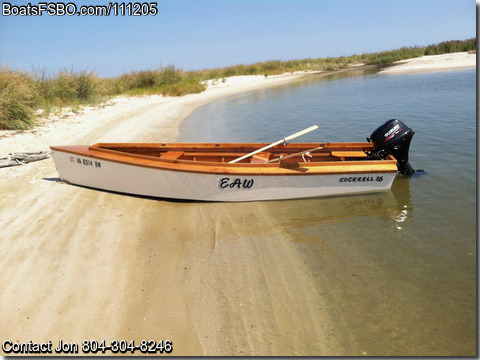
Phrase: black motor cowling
[393,138]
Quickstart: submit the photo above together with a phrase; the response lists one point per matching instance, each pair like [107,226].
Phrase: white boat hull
[154,182]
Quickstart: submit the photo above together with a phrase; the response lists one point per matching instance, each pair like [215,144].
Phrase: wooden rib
[172,155]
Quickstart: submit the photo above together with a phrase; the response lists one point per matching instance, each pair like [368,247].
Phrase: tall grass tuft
[18,99]
[165,80]
[67,88]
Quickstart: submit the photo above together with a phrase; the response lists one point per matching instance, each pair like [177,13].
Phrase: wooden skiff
[214,172]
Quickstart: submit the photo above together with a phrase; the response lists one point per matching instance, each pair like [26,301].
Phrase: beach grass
[18,99]
[23,94]
[167,81]
[67,88]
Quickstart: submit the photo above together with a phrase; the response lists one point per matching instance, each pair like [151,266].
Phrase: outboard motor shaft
[393,138]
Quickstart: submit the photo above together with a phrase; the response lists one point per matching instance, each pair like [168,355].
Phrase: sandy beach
[460,60]
[80,264]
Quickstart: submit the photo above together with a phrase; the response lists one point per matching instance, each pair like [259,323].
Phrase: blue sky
[199,34]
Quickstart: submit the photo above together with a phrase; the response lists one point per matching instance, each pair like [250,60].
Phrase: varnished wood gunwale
[211,152]
[237,148]
[125,153]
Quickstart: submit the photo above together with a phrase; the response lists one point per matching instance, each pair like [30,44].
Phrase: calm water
[398,268]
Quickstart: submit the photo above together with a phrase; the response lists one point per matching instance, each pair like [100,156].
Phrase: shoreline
[133,119]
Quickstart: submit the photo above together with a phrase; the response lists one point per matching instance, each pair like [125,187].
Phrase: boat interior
[228,152]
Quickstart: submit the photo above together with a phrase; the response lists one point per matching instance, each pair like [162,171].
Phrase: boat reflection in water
[305,220]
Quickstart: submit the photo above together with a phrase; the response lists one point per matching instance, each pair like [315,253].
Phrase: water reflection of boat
[393,206]
[295,217]
[404,209]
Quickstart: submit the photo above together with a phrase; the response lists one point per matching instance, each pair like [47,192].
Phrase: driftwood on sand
[21,158]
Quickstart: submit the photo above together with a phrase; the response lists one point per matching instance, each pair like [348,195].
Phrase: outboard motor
[393,138]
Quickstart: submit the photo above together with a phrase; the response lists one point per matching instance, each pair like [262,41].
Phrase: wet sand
[80,264]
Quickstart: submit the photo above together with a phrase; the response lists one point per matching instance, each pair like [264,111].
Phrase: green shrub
[451,46]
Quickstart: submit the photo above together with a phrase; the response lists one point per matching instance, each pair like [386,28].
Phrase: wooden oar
[293,136]
[281,158]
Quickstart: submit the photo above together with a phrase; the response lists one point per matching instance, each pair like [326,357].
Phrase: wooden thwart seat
[260,158]
[347,154]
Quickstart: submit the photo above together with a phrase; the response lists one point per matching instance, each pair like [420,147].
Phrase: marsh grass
[23,94]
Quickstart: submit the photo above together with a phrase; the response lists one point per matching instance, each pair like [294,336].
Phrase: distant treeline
[23,94]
